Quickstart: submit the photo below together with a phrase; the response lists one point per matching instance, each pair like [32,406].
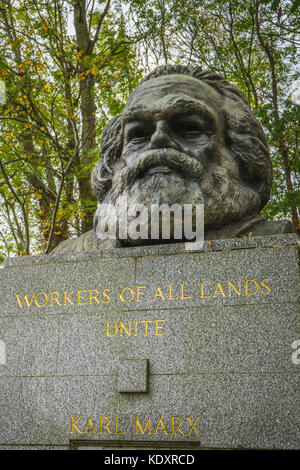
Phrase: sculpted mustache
[178,161]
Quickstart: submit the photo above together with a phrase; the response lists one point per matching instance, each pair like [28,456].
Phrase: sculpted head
[186,136]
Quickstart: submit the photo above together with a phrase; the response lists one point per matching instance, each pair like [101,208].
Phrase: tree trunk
[87,107]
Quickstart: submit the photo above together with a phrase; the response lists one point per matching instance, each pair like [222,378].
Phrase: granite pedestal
[153,347]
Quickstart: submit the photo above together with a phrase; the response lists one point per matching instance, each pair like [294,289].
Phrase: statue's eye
[139,133]
[187,129]
[191,129]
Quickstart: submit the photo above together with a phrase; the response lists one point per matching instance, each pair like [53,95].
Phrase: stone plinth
[153,344]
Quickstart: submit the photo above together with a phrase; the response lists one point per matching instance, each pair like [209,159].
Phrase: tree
[55,84]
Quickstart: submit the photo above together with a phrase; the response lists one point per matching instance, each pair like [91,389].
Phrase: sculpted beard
[224,196]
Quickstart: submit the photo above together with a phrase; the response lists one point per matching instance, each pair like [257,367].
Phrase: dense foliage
[69,65]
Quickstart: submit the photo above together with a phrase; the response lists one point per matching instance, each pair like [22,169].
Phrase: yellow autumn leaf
[94,70]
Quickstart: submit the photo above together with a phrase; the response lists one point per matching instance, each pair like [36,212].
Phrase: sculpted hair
[245,138]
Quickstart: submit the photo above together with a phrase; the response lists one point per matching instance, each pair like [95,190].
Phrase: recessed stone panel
[31,346]
[57,288]
[133,375]
[175,341]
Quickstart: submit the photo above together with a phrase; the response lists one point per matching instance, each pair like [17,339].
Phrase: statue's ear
[254,162]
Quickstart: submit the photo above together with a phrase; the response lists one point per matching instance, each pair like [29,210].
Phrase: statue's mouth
[166,162]
[158,169]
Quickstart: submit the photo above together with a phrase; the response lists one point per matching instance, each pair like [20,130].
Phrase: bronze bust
[186,136]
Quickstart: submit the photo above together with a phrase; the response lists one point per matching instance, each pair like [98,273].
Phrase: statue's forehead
[154,93]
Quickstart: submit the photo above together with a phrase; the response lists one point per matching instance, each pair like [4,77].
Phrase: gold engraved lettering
[176,426]
[265,285]
[219,290]
[159,293]
[130,328]
[139,292]
[111,426]
[142,430]
[236,289]
[107,329]
[122,326]
[161,425]
[116,427]
[94,296]
[131,294]
[66,297]
[170,294]
[159,327]
[74,425]
[28,301]
[106,296]
[45,299]
[193,425]
[80,297]
[105,425]
[89,426]
[146,325]
[202,295]
[54,295]
[181,293]
[246,286]
[135,327]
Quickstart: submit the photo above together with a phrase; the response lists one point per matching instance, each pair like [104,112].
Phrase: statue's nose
[161,137]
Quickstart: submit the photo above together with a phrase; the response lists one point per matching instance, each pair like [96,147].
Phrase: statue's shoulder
[272,227]
[86,242]
[253,226]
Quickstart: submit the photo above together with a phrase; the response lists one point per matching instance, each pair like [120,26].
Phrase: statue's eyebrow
[135,114]
[180,106]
